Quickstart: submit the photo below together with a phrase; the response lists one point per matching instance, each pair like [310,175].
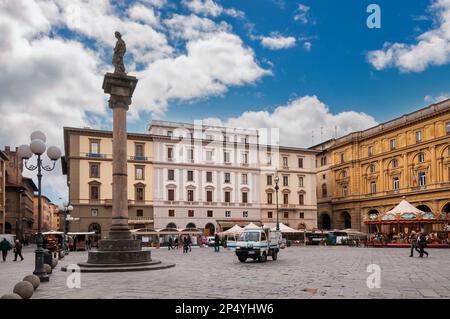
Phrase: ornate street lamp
[37,147]
[277,179]
[66,209]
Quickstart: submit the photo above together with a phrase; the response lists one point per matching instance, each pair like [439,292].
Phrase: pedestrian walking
[413,242]
[176,243]
[170,243]
[88,244]
[216,243]
[185,245]
[5,246]
[422,244]
[18,250]
[189,243]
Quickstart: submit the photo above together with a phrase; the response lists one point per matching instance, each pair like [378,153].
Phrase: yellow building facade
[373,170]
[88,165]
[295,168]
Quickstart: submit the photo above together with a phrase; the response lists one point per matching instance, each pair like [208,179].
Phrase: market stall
[78,241]
[231,235]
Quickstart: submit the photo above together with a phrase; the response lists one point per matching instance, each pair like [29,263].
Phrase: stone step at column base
[103,268]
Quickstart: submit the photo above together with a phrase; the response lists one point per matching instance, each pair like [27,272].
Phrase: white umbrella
[252,226]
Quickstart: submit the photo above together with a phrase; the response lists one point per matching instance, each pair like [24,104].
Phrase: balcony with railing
[96,155]
[138,158]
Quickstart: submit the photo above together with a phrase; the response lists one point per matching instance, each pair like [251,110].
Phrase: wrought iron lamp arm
[29,166]
[48,168]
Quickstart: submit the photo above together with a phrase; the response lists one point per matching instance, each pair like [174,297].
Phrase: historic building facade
[374,169]
[324,184]
[49,215]
[3,161]
[295,169]
[205,177]
[88,166]
[19,194]
[190,176]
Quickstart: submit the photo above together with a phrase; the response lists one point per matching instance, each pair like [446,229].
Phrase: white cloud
[49,81]
[155,3]
[307,46]
[193,27]
[301,13]
[436,98]
[277,42]
[205,7]
[211,8]
[210,65]
[142,13]
[298,119]
[432,47]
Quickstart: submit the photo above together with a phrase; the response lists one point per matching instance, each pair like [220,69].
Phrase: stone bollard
[24,289]
[34,280]
[54,263]
[48,268]
[10,296]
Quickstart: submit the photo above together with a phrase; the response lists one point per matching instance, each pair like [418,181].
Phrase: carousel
[394,227]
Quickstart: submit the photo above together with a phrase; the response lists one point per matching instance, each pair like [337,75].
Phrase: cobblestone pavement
[299,272]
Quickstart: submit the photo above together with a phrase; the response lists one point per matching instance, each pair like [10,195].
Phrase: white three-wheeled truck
[258,244]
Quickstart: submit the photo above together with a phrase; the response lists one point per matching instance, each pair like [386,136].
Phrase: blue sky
[336,68]
[294,65]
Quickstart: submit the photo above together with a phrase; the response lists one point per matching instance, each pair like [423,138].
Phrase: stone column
[120,88]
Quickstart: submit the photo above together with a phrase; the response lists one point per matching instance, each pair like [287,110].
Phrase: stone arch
[171,225]
[424,208]
[8,228]
[191,225]
[300,226]
[325,221]
[369,166]
[415,157]
[446,208]
[346,219]
[210,229]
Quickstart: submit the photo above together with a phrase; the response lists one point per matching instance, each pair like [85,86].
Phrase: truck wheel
[274,255]
[263,257]
[242,259]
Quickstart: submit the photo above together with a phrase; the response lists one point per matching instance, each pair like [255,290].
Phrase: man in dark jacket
[216,243]
[5,246]
[18,250]
[422,244]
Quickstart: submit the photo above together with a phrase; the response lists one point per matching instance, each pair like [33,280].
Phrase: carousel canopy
[403,212]
[405,207]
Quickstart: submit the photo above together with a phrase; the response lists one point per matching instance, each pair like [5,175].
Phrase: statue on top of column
[119,52]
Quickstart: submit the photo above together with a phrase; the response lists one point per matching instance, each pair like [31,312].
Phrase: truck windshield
[249,236]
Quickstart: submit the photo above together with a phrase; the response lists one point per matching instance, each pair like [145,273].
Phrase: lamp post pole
[65,209]
[37,147]
[276,199]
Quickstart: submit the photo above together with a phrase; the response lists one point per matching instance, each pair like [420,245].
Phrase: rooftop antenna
[312,137]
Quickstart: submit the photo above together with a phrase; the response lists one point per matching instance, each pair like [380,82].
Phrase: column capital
[120,88]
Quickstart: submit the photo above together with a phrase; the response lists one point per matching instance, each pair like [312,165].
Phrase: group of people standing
[186,241]
[6,246]
[418,243]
